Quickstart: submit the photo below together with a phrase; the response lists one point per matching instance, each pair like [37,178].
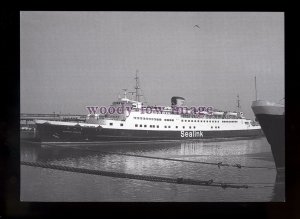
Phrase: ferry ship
[138,122]
[271,117]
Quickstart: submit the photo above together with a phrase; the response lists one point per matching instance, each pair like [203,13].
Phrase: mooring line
[220,164]
[184,181]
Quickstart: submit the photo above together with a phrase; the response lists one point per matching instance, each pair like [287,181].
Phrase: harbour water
[48,185]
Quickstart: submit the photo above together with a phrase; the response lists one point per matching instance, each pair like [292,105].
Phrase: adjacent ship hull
[78,133]
[271,117]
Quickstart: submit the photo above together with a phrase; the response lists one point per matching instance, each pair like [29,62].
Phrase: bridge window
[111,123]
[136,125]
[145,126]
[169,126]
[183,127]
[141,125]
[121,124]
[157,126]
[177,127]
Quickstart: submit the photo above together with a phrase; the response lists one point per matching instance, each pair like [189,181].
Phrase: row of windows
[146,118]
[186,120]
[121,124]
[153,119]
[145,126]
[208,121]
[153,126]
[229,121]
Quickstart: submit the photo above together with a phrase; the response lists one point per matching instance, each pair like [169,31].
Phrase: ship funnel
[177,101]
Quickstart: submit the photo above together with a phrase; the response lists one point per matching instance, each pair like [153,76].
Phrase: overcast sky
[70,60]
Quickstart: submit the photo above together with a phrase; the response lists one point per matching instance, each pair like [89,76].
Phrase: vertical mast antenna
[238,102]
[125,93]
[255,88]
[137,87]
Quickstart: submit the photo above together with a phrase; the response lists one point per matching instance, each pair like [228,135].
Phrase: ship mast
[255,88]
[137,87]
[125,92]
[238,103]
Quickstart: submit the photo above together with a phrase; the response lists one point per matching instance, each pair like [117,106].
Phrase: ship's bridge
[134,104]
[127,102]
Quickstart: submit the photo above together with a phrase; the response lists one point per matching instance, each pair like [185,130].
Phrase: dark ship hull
[63,133]
[272,120]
